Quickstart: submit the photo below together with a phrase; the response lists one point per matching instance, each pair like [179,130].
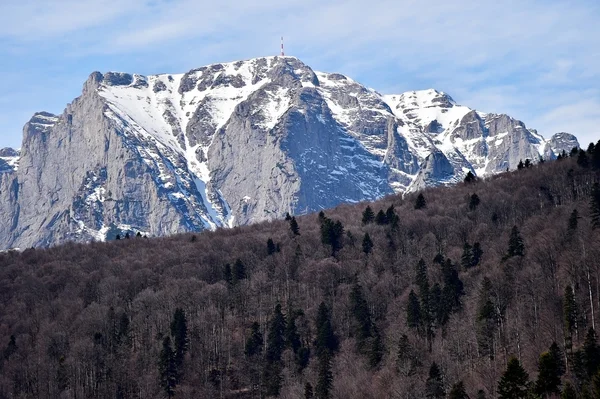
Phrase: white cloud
[522,58]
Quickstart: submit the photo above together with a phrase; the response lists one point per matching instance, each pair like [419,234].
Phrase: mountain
[238,143]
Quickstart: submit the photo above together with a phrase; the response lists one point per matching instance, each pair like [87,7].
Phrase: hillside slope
[238,143]
[92,320]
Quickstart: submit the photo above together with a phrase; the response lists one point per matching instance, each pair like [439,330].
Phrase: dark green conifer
[434,387]
[271,248]
[568,392]
[167,368]
[420,203]
[550,370]
[582,159]
[228,274]
[294,226]
[514,383]
[458,391]
[308,391]
[591,353]
[377,348]
[470,177]
[474,202]
[515,243]
[595,206]
[477,253]
[413,311]
[391,217]
[570,311]
[466,260]
[272,377]
[380,219]
[360,310]
[10,348]
[239,271]
[368,215]
[180,339]
[367,244]
[254,342]
[573,220]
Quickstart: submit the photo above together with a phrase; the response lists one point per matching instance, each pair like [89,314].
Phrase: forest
[487,289]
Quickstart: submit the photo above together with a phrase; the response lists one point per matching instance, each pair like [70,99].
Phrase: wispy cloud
[526,58]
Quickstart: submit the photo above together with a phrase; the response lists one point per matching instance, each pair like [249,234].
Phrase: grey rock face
[238,143]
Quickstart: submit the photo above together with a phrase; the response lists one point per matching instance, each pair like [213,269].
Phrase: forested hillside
[487,289]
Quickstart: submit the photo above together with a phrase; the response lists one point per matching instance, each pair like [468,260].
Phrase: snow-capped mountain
[237,143]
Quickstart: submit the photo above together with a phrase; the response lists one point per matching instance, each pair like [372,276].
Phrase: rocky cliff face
[237,143]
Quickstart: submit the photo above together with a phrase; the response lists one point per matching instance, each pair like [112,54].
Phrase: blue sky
[538,61]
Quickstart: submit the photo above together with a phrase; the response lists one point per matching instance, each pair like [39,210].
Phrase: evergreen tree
[180,339]
[380,219]
[453,286]
[470,177]
[254,342]
[325,345]
[167,368]
[521,165]
[332,234]
[10,348]
[422,281]
[568,392]
[439,310]
[228,274]
[391,217]
[420,203]
[326,341]
[514,383]
[458,391]
[294,226]
[292,338]
[288,217]
[528,163]
[591,353]
[596,385]
[239,271]
[271,248]
[360,310]
[474,202]
[377,349]
[582,159]
[486,320]
[405,359]
[573,220]
[570,311]
[477,253]
[466,260]
[434,387]
[324,377]
[272,377]
[367,244]
[413,311]
[308,391]
[515,243]
[276,336]
[595,206]
[550,370]
[368,215]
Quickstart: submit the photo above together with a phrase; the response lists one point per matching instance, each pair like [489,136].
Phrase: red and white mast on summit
[282,52]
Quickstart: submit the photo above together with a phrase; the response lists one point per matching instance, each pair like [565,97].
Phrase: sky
[538,61]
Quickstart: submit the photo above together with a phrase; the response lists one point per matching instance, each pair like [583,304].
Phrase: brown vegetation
[90,320]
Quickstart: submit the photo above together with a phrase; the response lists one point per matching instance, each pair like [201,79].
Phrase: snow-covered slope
[236,143]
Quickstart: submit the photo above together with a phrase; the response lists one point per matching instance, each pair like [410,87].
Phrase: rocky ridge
[237,143]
